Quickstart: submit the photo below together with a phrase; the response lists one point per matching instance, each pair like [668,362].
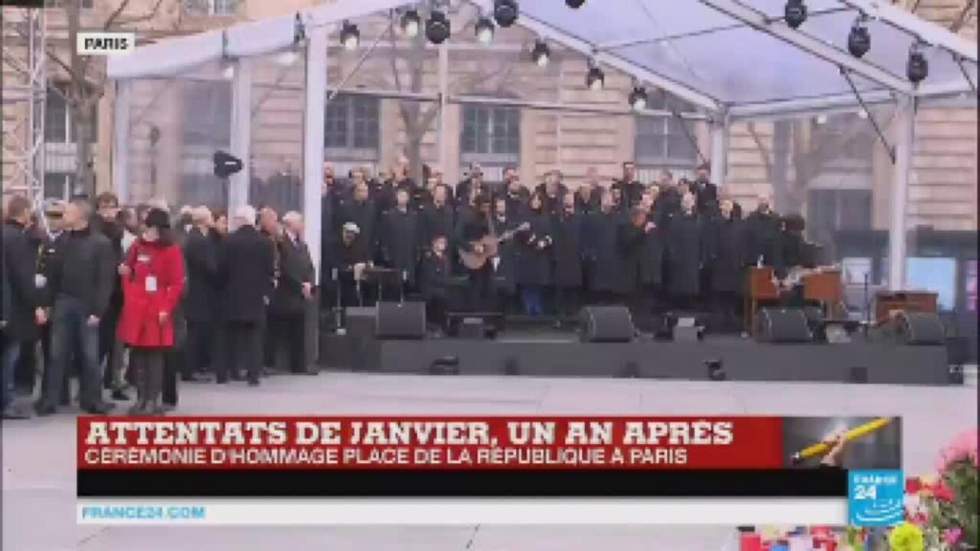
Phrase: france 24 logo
[105,43]
[876,497]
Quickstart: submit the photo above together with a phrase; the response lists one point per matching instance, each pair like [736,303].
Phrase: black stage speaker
[606,324]
[920,328]
[782,325]
[359,321]
[400,320]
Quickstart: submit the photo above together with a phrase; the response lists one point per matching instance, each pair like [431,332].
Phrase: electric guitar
[488,247]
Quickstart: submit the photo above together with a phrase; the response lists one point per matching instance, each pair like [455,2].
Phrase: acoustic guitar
[489,247]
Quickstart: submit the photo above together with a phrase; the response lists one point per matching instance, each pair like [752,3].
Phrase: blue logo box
[876,497]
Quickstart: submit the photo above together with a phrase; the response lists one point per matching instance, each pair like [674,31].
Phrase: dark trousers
[724,305]
[567,302]
[532,298]
[605,298]
[200,347]
[289,333]
[435,311]
[479,293]
[149,367]
[173,359]
[268,344]
[72,336]
[11,351]
[640,305]
[27,367]
[242,348]
[108,352]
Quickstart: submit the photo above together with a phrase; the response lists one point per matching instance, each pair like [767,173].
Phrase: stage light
[484,30]
[795,13]
[411,23]
[228,72]
[595,79]
[862,113]
[437,28]
[638,98]
[540,53]
[286,58]
[505,12]
[859,40]
[918,66]
[821,119]
[350,36]
[574,4]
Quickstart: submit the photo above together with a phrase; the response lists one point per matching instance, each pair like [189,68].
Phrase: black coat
[20,295]
[435,274]
[505,274]
[568,250]
[436,221]
[247,271]
[517,202]
[632,192]
[365,215]
[296,268]
[724,242]
[632,244]
[684,255]
[762,239]
[604,258]
[399,242]
[534,250]
[201,301]
[587,207]
[706,196]
[83,267]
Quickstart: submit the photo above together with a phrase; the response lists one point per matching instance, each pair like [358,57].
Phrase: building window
[59,185]
[211,7]
[491,134]
[58,124]
[850,135]
[207,113]
[665,141]
[351,127]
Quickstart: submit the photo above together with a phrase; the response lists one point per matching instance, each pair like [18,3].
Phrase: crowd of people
[547,250]
[138,297]
[141,297]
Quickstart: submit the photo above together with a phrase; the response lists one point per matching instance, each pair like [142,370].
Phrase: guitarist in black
[474,226]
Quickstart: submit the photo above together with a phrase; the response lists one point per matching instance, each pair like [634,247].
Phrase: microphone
[820,449]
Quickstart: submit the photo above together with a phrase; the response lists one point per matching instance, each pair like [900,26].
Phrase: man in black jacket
[568,257]
[287,313]
[22,312]
[438,217]
[201,297]
[400,244]
[705,193]
[81,278]
[629,187]
[107,208]
[246,272]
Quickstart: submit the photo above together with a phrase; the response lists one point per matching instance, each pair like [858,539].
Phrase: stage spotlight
[918,65]
[795,13]
[859,40]
[862,113]
[350,36]
[286,58]
[821,119]
[574,4]
[411,23]
[437,28]
[716,370]
[595,79]
[228,72]
[484,30]
[540,53]
[638,98]
[505,12]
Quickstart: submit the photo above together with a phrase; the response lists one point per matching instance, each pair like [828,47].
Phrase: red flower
[913,485]
[943,492]
[919,519]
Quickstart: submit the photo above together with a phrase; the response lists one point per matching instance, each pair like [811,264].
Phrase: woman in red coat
[153,282]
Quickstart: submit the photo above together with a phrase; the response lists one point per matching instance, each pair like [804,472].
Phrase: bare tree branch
[960,20]
[763,150]
[115,14]
[140,18]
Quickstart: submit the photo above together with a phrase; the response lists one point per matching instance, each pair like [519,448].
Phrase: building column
[241,131]
[120,144]
[316,95]
[719,152]
[904,138]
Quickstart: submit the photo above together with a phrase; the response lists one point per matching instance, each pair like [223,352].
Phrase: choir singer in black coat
[400,242]
[684,255]
[604,262]
[568,256]
[724,244]
[435,274]
[534,265]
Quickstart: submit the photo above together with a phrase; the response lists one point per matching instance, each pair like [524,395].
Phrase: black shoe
[236,376]
[100,408]
[119,395]
[42,409]
[14,413]
[221,380]
[253,382]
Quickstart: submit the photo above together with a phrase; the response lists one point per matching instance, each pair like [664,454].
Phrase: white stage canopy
[731,59]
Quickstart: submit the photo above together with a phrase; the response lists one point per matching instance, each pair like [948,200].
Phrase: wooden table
[826,288]
[888,302]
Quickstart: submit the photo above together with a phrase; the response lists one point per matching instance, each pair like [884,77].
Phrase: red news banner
[430,443]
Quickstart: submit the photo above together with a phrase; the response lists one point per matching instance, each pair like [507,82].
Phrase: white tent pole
[719,151]
[241,131]
[316,93]
[904,136]
[443,103]
[120,146]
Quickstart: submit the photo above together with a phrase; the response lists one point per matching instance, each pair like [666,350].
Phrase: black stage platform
[561,354]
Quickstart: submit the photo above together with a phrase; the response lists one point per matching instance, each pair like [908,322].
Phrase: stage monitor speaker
[782,325]
[606,324]
[920,328]
[400,320]
[359,321]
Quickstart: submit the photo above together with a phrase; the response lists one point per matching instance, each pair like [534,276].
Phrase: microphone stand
[338,310]
[404,281]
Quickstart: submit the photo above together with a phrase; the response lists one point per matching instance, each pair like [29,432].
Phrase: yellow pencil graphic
[820,448]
